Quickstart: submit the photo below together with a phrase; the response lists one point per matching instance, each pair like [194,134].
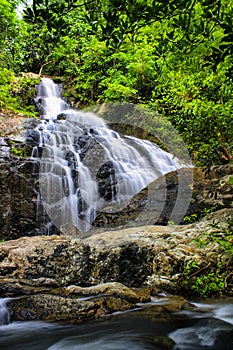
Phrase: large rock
[56,308]
[135,257]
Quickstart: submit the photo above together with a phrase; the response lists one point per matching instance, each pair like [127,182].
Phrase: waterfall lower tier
[4,312]
[85,167]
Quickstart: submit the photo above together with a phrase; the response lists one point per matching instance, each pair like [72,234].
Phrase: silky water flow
[85,167]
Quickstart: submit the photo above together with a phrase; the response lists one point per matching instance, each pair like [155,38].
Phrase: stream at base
[205,326]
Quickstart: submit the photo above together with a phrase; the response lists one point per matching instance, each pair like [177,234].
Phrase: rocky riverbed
[64,278]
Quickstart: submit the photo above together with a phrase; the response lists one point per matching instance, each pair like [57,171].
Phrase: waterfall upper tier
[49,101]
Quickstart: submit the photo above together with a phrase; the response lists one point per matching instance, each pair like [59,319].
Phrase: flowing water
[213,328]
[85,167]
[4,313]
[206,326]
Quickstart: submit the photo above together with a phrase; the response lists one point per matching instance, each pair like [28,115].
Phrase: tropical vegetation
[173,57]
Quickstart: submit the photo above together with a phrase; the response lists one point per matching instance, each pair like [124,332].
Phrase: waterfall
[4,312]
[85,167]
[49,102]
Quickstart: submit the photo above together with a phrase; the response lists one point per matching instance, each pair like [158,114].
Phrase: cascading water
[213,320]
[85,167]
[49,102]
[4,312]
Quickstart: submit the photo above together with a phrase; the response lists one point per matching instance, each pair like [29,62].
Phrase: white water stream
[4,312]
[86,167]
[213,320]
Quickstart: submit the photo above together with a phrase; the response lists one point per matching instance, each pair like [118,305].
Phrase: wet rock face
[32,137]
[17,178]
[17,212]
[107,181]
[20,212]
[210,192]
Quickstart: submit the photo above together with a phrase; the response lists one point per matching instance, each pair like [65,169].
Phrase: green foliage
[211,279]
[20,150]
[6,78]
[11,36]
[16,93]
[188,219]
[211,284]
[174,57]
[120,20]
[201,243]
[7,18]
[223,237]
[54,29]
[198,103]
[170,223]
[205,281]
[189,269]
[17,152]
